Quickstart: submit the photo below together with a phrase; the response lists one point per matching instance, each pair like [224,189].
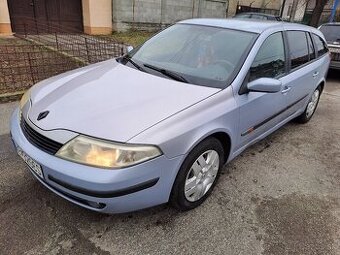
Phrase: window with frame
[310,47]
[298,48]
[270,59]
[320,45]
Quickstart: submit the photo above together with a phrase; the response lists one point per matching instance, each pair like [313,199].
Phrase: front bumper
[108,191]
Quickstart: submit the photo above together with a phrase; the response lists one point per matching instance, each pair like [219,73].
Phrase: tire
[208,149]
[310,108]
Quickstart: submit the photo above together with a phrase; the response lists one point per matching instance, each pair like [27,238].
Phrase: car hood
[110,100]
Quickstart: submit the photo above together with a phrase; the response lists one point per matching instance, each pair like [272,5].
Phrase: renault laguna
[158,124]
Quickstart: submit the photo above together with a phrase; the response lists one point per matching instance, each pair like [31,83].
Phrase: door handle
[315,74]
[286,90]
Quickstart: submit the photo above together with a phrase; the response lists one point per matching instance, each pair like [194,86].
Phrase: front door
[261,111]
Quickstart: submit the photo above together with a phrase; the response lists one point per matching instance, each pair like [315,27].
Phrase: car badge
[42,115]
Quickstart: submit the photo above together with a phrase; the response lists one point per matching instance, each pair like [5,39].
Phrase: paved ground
[281,196]
[86,48]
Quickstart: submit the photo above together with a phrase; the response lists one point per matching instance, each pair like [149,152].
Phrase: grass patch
[11,41]
[132,37]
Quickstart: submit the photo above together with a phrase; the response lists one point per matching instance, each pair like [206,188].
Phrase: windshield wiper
[134,64]
[168,73]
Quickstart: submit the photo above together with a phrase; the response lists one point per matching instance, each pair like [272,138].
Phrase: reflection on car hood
[109,100]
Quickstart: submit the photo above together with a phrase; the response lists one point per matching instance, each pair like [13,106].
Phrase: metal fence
[22,65]
[89,49]
[49,50]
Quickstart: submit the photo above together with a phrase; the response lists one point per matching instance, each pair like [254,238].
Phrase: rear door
[304,70]
[261,111]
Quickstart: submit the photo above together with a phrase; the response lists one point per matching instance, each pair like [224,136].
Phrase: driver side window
[270,59]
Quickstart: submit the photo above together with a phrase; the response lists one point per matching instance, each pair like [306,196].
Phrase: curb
[10,97]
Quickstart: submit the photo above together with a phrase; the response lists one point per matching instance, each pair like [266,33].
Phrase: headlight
[25,98]
[95,152]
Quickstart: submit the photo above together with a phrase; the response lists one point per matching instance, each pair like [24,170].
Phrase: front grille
[335,56]
[43,143]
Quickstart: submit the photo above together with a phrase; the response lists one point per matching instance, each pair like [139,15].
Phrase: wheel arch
[223,137]
[322,85]
[225,140]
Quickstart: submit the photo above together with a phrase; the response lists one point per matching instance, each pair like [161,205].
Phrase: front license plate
[31,163]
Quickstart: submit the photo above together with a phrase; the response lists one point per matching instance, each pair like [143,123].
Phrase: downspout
[335,5]
[282,8]
[199,11]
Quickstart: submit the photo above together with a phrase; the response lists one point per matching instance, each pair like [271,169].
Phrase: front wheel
[311,107]
[197,175]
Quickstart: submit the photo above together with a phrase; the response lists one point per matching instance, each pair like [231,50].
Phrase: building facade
[150,14]
[105,16]
[301,11]
[89,16]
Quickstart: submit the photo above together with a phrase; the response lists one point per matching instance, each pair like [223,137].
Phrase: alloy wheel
[313,103]
[201,175]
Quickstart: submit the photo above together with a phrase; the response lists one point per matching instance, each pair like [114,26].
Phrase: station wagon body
[124,134]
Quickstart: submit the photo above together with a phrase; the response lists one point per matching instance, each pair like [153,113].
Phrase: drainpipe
[335,5]
[282,8]
[199,11]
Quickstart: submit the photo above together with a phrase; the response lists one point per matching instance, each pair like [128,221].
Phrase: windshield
[331,33]
[201,55]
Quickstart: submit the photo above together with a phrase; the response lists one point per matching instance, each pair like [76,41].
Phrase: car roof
[249,25]
[331,23]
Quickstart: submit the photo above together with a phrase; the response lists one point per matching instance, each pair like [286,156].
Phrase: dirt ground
[281,196]
[23,64]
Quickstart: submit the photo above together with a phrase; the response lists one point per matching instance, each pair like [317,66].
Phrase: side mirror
[267,85]
[129,48]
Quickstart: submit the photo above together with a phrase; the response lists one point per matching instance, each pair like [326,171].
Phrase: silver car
[158,124]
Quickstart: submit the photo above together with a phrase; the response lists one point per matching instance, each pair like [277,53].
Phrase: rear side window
[310,47]
[243,16]
[270,59]
[320,45]
[298,48]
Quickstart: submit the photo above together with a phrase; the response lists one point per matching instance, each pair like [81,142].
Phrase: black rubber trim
[106,194]
[72,197]
[272,117]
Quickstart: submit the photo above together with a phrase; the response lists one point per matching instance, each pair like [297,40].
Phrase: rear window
[243,16]
[298,48]
[331,33]
[255,16]
[320,45]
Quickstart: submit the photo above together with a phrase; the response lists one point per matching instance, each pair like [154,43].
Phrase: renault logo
[42,115]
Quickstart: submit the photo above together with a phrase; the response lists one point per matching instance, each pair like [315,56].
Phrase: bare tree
[316,14]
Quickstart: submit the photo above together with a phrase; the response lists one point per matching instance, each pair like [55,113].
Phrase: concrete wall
[154,14]
[5,22]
